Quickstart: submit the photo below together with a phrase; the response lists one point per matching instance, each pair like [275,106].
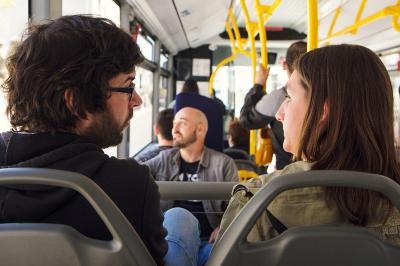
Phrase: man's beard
[185,141]
[105,131]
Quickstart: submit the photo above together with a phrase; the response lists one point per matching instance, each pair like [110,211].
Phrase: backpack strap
[276,224]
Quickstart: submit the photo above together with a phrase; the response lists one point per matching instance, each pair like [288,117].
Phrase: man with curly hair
[70,94]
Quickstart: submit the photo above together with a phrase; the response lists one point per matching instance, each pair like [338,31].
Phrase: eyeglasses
[128,90]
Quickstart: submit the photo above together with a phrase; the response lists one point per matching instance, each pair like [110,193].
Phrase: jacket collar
[204,161]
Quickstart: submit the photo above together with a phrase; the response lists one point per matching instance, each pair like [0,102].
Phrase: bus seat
[237,154]
[246,169]
[264,152]
[245,175]
[309,245]
[212,110]
[55,244]
[246,165]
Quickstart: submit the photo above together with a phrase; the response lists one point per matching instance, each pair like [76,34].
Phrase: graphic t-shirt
[188,173]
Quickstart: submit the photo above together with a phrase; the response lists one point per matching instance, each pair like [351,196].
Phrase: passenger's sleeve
[153,165]
[231,171]
[249,116]
[154,232]
[269,104]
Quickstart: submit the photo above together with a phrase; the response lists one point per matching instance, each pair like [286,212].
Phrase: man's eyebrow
[130,78]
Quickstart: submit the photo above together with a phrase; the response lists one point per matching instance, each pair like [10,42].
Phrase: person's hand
[262,75]
[213,235]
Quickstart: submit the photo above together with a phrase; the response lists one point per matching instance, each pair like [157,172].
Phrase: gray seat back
[309,245]
[53,244]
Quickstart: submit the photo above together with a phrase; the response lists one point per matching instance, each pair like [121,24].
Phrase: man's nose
[136,100]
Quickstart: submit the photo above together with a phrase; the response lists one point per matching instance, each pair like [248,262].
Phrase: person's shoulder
[148,154]
[170,151]
[217,154]
[162,157]
[166,153]
[124,177]
[126,168]
[296,167]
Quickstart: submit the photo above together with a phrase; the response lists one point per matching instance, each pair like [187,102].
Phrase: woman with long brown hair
[338,115]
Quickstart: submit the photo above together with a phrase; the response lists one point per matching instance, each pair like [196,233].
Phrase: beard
[105,130]
[184,142]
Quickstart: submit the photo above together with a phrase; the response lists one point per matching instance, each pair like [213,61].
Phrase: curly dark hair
[81,53]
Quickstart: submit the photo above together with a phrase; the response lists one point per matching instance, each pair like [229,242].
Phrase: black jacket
[126,182]
[252,119]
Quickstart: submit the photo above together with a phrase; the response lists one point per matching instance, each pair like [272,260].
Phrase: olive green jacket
[302,206]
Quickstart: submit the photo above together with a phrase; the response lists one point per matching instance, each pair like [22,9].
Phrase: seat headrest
[213,112]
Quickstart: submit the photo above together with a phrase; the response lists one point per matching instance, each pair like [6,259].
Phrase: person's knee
[181,223]
[181,215]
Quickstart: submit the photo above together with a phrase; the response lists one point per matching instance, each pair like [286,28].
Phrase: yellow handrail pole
[359,13]
[222,63]
[271,9]
[263,12]
[264,62]
[260,10]
[395,17]
[250,32]
[241,42]
[250,27]
[390,10]
[226,60]
[333,23]
[312,36]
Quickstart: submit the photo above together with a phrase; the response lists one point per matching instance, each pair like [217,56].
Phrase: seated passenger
[191,161]
[190,85]
[70,94]
[163,131]
[338,115]
[238,139]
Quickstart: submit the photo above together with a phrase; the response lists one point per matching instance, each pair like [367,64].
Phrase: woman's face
[292,113]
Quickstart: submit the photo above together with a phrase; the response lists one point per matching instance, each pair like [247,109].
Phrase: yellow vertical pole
[260,10]
[333,23]
[264,62]
[359,13]
[395,17]
[250,31]
[312,36]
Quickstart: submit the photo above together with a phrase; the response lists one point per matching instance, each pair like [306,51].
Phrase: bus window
[104,8]
[164,60]
[13,21]
[146,46]
[140,131]
[162,100]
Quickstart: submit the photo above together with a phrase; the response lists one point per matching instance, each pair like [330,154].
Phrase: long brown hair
[357,133]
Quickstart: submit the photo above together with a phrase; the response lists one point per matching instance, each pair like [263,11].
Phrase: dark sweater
[126,182]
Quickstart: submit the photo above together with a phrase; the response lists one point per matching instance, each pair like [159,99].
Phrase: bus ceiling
[182,24]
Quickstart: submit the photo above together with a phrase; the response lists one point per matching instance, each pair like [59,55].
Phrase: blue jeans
[184,245]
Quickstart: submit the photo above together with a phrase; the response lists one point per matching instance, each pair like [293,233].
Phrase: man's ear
[201,128]
[69,100]
[156,130]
